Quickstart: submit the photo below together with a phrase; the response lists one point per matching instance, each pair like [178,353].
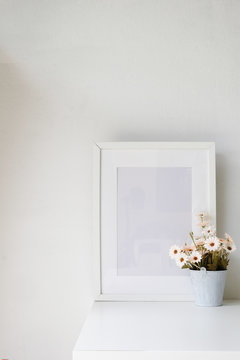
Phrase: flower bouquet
[207,257]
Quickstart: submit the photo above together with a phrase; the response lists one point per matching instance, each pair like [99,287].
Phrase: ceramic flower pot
[208,286]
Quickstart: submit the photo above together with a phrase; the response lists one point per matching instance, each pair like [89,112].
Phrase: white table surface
[159,327]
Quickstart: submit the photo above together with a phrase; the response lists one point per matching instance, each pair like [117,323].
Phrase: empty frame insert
[154,211]
[147,195]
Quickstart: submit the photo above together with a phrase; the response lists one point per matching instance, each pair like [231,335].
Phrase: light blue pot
[208,286]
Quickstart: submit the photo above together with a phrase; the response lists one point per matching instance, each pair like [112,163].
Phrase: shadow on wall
[17,98]
[17,108]
[224,168]
[221,192]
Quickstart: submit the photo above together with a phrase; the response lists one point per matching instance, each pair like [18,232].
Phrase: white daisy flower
[174,251]
[203,224]
[187,248]
[228,238]
[212,243]
[201,214]
[209,231]
[181,259]
[200,242]
[229,246]
[195,257]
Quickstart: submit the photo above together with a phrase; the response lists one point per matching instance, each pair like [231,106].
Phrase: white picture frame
[194,162]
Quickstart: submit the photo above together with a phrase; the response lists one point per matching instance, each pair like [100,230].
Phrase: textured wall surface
[74,72]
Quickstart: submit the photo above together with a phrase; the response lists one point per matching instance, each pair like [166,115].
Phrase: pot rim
[210,271]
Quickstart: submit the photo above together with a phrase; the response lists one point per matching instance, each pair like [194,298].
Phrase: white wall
[73,72]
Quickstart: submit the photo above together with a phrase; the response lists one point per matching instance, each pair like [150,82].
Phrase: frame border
[97,149]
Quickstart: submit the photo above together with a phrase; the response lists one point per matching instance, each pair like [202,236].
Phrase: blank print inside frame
[154,207]
[147,194]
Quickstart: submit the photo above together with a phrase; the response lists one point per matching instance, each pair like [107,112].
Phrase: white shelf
[144,330]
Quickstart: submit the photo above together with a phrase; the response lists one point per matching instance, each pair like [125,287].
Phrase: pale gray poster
[154,211]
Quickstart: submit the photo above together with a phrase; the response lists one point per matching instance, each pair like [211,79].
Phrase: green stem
[193,264]
[191,235]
